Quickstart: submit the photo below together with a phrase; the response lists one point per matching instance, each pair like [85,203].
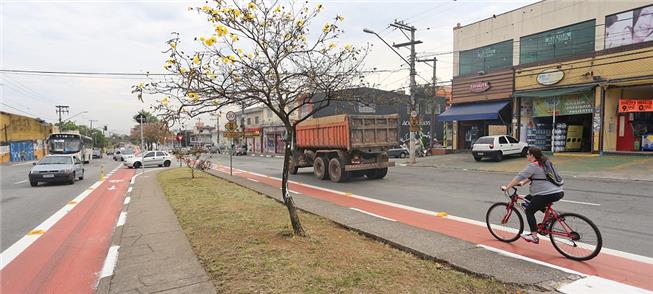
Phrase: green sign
[563,105]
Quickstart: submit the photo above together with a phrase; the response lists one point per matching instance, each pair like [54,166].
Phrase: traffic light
[105,128]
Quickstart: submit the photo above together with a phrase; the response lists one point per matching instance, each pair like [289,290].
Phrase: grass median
[245,243]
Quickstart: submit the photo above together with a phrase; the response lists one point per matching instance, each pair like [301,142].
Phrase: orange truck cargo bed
[349,131]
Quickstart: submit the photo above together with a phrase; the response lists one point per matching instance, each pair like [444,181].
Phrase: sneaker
[530,238]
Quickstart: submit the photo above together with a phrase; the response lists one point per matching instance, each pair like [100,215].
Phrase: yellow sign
[231,126]
[232,134]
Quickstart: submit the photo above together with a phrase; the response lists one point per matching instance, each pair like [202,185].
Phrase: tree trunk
[287,199]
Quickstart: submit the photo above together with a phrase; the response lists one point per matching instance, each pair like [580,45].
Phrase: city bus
[71,143]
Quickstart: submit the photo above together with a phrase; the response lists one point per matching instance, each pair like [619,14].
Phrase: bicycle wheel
[576,237]
[505,225]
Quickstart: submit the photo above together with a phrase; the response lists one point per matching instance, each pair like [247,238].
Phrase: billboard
[629,27]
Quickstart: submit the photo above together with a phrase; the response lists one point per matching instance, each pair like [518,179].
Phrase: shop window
[249,121]
[256,120]
[485,58]
[561,42]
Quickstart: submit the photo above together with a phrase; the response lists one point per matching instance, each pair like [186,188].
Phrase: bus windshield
[65,145]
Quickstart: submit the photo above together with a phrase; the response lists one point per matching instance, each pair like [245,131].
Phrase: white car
[497,147]
[150,158]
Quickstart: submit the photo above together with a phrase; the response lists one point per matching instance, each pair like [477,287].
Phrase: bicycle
[573,235]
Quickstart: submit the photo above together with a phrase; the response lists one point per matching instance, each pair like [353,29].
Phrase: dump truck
[340,147]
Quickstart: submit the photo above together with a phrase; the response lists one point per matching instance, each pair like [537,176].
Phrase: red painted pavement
[69,256]
[627,271]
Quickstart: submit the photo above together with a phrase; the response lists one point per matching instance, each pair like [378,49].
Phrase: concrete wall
[14,128]
[535,18]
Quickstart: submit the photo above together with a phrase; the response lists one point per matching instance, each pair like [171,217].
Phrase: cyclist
[542,192]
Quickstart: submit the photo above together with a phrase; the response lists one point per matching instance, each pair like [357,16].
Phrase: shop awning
[553,92]
[479,111]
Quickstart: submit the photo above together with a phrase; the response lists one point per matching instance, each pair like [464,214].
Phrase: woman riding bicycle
[542,192]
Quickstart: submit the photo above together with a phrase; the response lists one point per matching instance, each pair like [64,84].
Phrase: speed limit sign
[231,116]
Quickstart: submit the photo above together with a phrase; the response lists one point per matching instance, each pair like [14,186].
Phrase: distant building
[23,135]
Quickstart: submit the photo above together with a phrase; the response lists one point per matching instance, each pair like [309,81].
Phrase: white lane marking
[113,187]
[622,254]
[110,262]
[17,248]
[594,284]
[291,191]
[122,219]
[127,200]
[372,214]
[578,202]
[130,189]
[23,181]
[588,284]
[23,163]
[253,180]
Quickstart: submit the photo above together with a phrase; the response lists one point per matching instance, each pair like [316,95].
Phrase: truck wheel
[320,168]
[292,168]
[378,173]
[337,171]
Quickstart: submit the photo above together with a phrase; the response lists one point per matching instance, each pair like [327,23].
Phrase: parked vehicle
[150,158]
[398,152]
[97,154]
[497,147]
[117,155]
[342,146]
[56,168]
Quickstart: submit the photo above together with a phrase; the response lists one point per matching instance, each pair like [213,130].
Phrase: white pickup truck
[497,147]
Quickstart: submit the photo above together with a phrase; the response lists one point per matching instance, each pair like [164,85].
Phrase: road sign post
[231,133]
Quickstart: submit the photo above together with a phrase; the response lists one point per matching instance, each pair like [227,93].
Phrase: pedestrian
[22,155]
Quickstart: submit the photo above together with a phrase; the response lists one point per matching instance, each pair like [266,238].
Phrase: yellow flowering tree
[269,53]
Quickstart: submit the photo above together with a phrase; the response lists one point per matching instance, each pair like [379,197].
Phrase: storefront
[253,140]
[482,105]
[559,120]
[273,139]
[634,117]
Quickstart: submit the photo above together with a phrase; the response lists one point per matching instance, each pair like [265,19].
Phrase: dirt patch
[245,243]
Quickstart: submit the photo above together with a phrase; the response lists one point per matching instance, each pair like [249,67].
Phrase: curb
[457,256]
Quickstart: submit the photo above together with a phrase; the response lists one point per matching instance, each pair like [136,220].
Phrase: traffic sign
[232,134]
[231,126]
[231,116]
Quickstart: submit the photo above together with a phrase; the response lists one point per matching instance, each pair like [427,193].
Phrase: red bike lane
[608,266]
[68,257]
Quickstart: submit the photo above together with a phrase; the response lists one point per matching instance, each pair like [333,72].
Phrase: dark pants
[539,202]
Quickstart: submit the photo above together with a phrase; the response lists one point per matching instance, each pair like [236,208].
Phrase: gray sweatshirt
[539,184]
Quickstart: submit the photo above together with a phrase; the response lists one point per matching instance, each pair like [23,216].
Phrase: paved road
[24,207]
[621,209]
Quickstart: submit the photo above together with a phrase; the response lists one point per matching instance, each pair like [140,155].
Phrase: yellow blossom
[210,41]
[229,59]
[277,9]
[332,45]
[221,30]
[348,47]
[319,7]
[300,23]
[251,5]
[326,28]
[249,16]
[182,70]
[340,18]
[173,45]
[250,55]
[215,102]
[205,8]
[240,51]
[196,59]
[193,96]
[234,37]
[165,101]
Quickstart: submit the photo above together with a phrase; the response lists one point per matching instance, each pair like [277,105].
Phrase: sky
[129,36]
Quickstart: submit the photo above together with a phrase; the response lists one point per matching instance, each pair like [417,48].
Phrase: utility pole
[414,116]
[60,110]
[435,102]
[90,130]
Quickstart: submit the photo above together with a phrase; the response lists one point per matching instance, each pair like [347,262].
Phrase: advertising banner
[635,105]
[564,105]
[629,27]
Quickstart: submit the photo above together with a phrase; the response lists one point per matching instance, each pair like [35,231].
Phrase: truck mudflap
[365,166]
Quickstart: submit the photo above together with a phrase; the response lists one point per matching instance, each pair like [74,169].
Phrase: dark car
[56,168]
[398,152]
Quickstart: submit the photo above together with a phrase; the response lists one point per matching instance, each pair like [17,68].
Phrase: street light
[410,63]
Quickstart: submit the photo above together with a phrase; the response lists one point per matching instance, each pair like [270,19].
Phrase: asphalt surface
[621,209]
[23,207]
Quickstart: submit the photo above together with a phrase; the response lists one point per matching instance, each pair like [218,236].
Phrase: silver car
[56,168]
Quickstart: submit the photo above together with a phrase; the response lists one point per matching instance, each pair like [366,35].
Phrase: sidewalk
[616,167]
[154,254]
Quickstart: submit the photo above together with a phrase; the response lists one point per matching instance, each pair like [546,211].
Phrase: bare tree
[260,54]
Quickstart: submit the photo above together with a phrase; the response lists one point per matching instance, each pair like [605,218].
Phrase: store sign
[479,87]
[565,105]
[550,77]
[635,105]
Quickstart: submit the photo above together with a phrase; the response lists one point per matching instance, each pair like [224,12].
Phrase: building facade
[581,71]
[23,137]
